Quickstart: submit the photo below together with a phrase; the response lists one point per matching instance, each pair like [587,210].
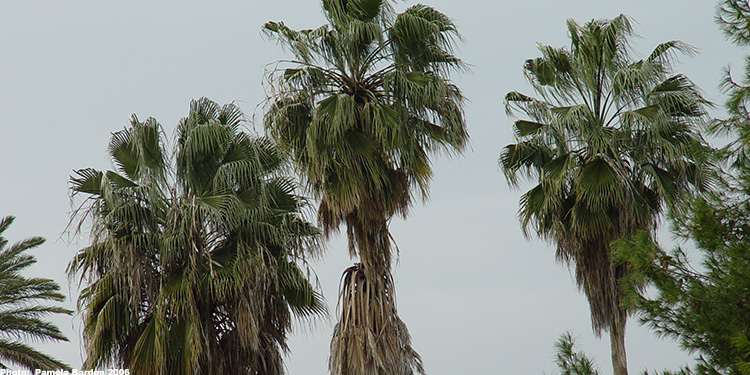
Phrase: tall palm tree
[23,307]
[361,108]
[191,267]
[609,141]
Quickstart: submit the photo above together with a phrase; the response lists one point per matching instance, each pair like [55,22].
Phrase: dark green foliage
[706,308]
[734,18]
[23,307]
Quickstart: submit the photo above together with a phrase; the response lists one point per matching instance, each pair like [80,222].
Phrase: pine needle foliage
[609,142]
[571,361]
[732,16]
[361,107]
[705,308]
[192,266]
[24,307]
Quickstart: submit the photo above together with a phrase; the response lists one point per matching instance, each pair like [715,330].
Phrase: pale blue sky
[477,297]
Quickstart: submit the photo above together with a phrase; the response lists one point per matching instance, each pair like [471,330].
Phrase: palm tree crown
[22,308]
[361,109]
[608,141]
[191,268]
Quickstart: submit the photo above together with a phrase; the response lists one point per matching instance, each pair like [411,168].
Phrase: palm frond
[22,306]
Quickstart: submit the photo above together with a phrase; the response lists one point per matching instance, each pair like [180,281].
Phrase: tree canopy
[192,266]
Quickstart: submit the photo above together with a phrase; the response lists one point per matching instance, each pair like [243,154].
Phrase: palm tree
[608,142]
[23,307]
[361,108]
[191,267]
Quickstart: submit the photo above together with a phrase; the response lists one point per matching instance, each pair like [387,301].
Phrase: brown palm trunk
[617,341]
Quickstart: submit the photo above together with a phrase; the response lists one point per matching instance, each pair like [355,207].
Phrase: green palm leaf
[23,308]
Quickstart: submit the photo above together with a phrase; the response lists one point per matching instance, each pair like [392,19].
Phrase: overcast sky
[478,297]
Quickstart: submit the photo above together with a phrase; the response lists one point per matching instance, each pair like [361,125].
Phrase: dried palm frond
[370,338]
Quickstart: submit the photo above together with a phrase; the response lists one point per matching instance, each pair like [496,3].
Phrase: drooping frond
[369,337]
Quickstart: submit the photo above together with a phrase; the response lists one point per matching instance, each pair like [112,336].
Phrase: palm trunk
[617,341]
[370,338]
